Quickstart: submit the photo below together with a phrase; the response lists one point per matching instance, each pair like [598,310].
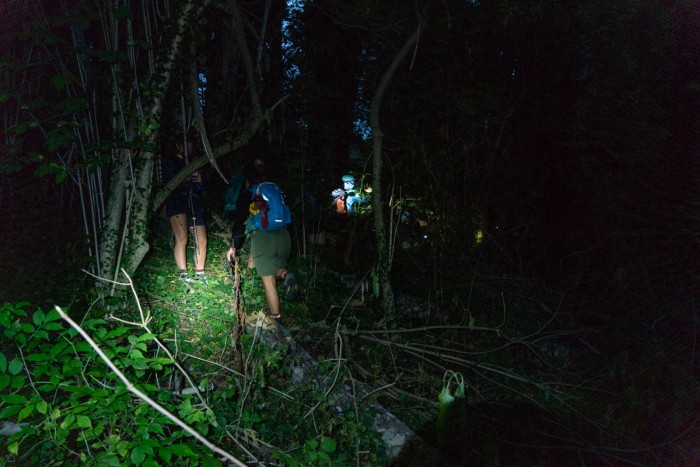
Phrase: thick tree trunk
[383,254]
[134,221]
[116,200]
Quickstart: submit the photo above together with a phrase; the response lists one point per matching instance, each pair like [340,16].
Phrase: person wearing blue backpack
[270,242]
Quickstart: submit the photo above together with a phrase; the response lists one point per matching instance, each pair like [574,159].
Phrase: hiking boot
[275,318]
[185,278]
[201,277]
[290,281]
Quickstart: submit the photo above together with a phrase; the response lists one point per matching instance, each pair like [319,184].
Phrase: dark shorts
[270,250]
[183,203]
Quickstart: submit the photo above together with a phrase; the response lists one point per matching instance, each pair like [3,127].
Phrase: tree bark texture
[133,227]
[383,262]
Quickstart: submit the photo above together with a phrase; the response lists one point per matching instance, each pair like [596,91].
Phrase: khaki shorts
[270,251]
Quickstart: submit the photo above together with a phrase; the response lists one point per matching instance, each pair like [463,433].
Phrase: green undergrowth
[71,407]
[537,388]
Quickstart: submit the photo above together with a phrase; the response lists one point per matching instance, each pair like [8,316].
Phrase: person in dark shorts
[185,210]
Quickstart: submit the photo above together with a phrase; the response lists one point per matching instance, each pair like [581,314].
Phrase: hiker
[270,243]
[348,199]
[412,230]
[185,210]
[259,166]
[241,213]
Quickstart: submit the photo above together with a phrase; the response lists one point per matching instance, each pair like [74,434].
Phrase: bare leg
[178,224]
[273,299]
[201,247]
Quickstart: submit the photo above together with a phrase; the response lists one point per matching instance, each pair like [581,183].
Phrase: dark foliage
[547,153]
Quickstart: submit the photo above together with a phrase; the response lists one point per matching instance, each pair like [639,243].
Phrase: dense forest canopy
[547,140]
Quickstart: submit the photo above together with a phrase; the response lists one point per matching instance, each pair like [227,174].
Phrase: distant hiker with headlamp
[185,210]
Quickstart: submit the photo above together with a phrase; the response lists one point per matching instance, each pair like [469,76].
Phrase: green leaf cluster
[72,408]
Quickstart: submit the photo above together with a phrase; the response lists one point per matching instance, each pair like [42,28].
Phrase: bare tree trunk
[256,117]
[116,200]
[137,186]
[383,260]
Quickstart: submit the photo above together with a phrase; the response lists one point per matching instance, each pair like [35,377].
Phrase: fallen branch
[134,390]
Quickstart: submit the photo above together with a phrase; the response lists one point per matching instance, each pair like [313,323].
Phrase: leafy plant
[67,405]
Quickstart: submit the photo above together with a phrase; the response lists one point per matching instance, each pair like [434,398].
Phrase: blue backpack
[269,211]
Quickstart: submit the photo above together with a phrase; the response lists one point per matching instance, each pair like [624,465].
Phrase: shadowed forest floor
[539,387]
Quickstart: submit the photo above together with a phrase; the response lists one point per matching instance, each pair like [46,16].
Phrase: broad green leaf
[140,364]
[92,324]
[165,454]
[18,382]
[116,332]
[138,455]
[182,450]
[311,445]
[57,348]
[68,421]
[328,445]
[13,448]
[122,448]
[9,411]
[156,428]
[3,363]
[25,412]
[19,307]
[38,317]
[22,128]
[208,461]
[52,315]
[38,357]
[83,421]
[42,407]
[13,399]
[4,381]
[41,334]
[146,337]
[134,341]
[100,393]
[163,360]
[61,176]
[83,347]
